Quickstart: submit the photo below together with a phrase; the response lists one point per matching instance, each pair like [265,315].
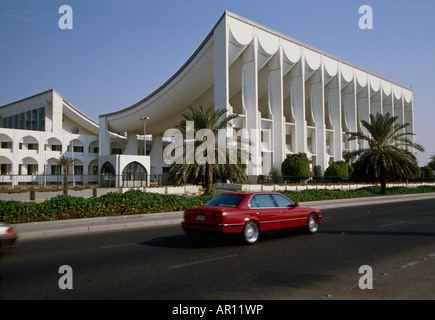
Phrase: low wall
[300,187]
[36,195]
[39,195]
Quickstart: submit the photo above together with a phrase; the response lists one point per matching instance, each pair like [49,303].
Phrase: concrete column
[363,102]
[221,67]
[399,110]
[298,105]
[132,144]
[318,111]
[156,155]
[250,102]
[277,108]
[334,103]
[104,139]
[57,113]
[348,95]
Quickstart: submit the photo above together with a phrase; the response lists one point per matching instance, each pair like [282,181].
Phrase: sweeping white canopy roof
[193,84]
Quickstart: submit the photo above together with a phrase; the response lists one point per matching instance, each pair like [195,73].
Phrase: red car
[250,213]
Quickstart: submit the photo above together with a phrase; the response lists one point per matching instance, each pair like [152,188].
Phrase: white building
[289,96]
[37,131]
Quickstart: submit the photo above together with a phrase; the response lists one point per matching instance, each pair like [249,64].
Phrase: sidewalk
[70,227]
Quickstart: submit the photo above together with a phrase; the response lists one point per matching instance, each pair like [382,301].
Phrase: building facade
[289,96]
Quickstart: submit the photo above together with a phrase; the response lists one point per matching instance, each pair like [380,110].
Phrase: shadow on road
[190,242]
[213,240]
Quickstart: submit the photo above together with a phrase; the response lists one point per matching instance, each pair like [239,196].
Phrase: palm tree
[388,154]
[65,162]
[189,171]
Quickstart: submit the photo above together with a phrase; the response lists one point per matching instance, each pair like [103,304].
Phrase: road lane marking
[409,264]
[392,224]
[118,245]
[202,261]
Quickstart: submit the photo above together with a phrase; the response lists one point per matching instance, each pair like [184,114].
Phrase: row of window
[29,120]
[53,147]
[55,170]
[132,172]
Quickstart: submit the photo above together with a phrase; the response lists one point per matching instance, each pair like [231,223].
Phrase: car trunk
[204,215]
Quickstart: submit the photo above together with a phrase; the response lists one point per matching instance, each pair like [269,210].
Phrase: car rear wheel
[312,223]
[251,232]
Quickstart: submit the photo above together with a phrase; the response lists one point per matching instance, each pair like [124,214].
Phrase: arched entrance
[108,175]
[134,175]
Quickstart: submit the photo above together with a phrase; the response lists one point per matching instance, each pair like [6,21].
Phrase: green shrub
[65,207]
[337,169]
[317,171]
[296,165]
[426,173]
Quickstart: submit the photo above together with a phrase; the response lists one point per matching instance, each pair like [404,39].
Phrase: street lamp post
[144,119]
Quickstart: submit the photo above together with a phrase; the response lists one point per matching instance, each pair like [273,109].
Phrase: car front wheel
[251,232]
[312,223]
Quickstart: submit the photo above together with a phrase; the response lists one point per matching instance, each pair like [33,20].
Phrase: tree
[426,173]
[213,120]
[296,165]
[65,162]
[432,162]
[387,155]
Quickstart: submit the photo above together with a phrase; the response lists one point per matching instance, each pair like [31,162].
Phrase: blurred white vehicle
[8,236]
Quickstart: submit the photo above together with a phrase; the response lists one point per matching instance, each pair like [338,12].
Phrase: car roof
[250,192]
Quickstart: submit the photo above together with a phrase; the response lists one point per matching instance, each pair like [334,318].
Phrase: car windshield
[226,200]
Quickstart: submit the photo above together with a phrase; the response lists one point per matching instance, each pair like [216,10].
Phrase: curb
[79,226]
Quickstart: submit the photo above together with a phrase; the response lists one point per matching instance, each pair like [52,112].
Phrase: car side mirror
[294,205]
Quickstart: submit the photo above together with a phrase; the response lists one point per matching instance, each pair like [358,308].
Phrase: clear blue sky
[119,51]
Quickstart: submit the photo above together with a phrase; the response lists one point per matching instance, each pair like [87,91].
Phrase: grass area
[137,202]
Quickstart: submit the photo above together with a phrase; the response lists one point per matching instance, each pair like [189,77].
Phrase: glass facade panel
[29,120]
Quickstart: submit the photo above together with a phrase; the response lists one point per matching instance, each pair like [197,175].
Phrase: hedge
[65,207]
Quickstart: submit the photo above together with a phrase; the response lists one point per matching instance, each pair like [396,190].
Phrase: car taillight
[219,217]
[11,230]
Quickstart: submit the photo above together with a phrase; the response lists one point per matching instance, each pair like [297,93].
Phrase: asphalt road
[395,240]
